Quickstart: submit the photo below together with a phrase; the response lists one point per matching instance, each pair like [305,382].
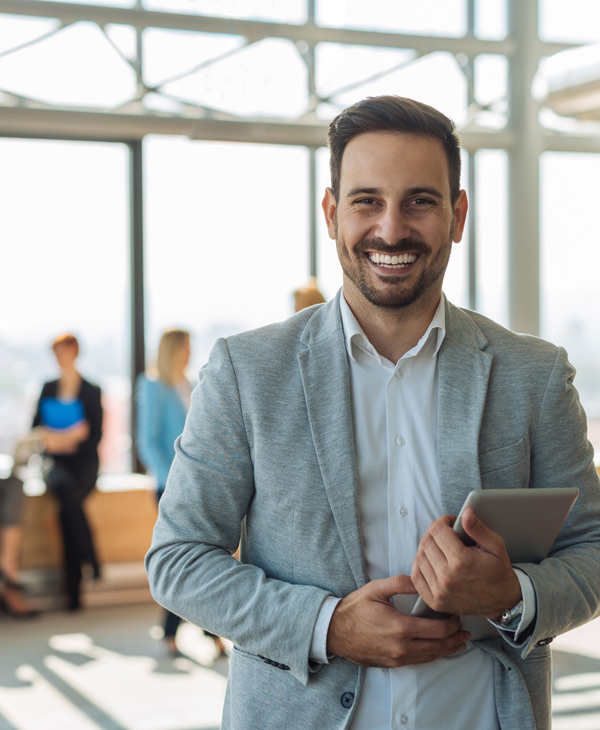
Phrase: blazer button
[347,700]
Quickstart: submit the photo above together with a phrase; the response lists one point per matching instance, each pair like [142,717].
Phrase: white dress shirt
[394,412]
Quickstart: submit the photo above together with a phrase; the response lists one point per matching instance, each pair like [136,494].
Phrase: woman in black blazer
[71,460]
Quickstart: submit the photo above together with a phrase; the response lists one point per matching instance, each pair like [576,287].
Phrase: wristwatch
[512,616]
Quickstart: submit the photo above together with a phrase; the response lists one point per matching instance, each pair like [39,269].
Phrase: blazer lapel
[325,376]
[463,372]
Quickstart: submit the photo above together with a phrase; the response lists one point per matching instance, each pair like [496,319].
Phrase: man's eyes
[413,203]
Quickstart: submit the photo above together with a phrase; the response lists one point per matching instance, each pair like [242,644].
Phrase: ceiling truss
[20,116]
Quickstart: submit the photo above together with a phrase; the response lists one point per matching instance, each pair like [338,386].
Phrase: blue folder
[58,413]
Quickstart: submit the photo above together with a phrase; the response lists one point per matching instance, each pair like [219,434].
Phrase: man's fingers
[441,629]
[489,540]
[366,629]
[385,588]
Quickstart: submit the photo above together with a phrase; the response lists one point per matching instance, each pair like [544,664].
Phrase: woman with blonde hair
[163,399]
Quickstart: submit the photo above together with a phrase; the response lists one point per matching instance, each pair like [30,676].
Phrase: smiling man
[395,216]
[336,448]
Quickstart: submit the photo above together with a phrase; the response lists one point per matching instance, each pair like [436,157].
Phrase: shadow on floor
[104,668]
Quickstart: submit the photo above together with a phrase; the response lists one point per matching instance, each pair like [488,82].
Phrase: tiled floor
[104,668]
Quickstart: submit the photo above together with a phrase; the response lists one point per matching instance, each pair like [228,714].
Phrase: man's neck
[393,332]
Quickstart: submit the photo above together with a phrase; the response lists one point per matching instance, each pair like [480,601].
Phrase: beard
[395,295]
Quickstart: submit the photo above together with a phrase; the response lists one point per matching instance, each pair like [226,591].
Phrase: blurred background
[162,164]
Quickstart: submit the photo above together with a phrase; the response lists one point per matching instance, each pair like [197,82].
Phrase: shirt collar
[356,338]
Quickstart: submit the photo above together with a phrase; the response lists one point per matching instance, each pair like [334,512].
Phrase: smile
[390,262]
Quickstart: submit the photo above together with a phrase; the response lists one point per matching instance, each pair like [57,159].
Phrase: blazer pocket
[502,459]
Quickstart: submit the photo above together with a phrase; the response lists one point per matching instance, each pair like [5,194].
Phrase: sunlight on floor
[81,685]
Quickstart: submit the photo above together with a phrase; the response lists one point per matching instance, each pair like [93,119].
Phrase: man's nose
[393,225]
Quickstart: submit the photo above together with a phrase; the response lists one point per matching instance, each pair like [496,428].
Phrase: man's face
[394,222]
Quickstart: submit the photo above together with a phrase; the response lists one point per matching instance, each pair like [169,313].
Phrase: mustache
[404,245]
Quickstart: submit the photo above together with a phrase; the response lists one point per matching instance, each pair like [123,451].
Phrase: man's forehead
[372,153]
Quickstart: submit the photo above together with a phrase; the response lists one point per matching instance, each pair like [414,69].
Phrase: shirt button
[347,700]
[403,511]
[400,441]
[398,374]
[404,719]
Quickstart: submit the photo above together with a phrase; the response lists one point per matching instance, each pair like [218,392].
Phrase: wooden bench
[121,512]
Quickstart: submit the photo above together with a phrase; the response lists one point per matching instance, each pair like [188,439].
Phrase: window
[576,21]
[430,17]
[64,259]
[491,217]
[570,261]
[226,237]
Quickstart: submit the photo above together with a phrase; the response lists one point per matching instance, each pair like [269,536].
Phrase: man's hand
[367,630]
[465,581]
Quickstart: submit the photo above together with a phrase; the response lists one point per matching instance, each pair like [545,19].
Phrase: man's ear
[460,216]
[329,208]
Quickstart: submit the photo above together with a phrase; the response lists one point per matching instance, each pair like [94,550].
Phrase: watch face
[509,616]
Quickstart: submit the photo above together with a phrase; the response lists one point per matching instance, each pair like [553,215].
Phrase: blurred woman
[163,400]
[70,412]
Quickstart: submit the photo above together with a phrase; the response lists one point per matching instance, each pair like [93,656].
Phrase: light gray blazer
[267,458]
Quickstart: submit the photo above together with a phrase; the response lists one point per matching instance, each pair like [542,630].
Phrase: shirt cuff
[529,605]
[318,646]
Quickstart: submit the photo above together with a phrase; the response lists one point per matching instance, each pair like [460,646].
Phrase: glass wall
[226,237]
[490,211]
[570,262]
[227,225]
[65,268]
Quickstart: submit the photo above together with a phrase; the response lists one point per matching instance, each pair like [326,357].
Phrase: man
[337,446]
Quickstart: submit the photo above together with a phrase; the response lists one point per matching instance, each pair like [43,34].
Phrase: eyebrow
[359,190]
[363,191]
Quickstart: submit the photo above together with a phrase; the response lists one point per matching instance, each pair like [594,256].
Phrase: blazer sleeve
[92,404]
[567,583]
[209,492]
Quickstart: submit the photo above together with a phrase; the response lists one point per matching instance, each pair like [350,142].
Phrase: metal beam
[254,29]
[569,142]
[136,262]
[312,213]
[469,71]
[523,174]
[106,126]
[30,122]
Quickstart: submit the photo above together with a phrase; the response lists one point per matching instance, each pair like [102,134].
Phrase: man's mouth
[392,261]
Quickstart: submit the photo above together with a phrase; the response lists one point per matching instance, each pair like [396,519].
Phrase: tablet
[528,520]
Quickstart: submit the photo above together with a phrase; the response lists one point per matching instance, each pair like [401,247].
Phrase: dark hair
[393,114]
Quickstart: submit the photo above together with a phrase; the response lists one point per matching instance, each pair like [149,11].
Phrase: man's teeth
[384,259]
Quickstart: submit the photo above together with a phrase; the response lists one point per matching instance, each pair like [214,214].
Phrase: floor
[105,667]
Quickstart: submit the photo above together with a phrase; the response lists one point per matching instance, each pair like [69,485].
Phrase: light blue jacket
[161,417]
[267,456]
